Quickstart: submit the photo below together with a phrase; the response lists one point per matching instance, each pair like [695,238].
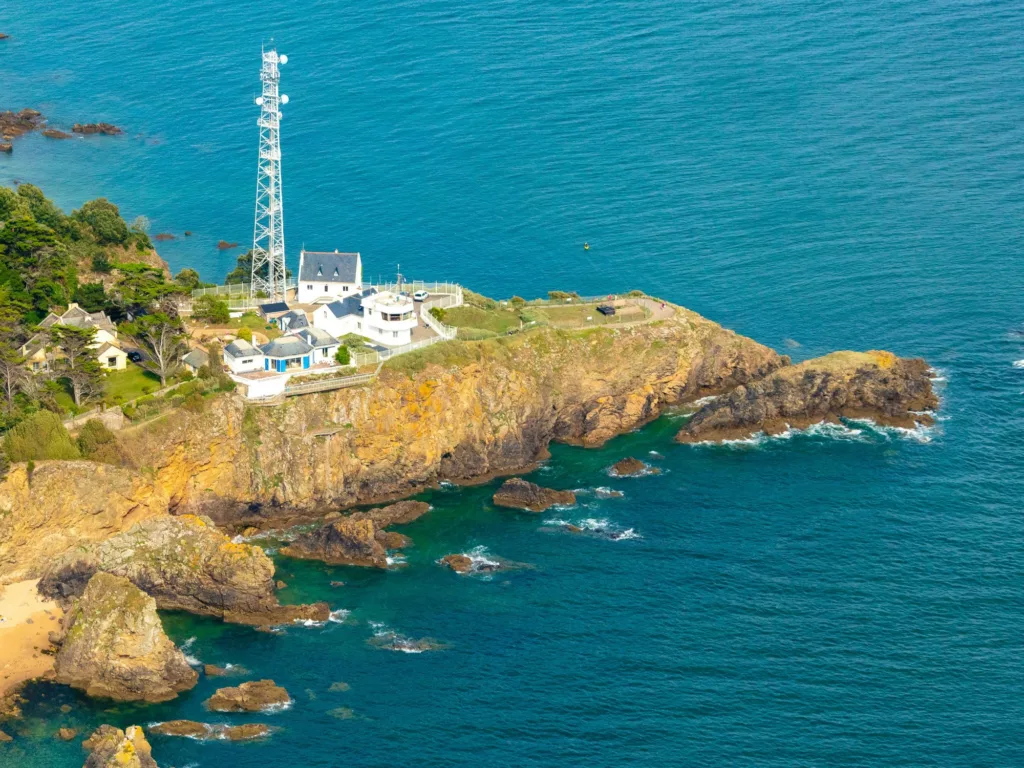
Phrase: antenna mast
[268,270]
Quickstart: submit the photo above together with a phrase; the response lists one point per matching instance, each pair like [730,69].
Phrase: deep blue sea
[816,175]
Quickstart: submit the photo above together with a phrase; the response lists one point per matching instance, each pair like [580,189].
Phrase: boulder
[399,513]
[630,467]
[224,245]
[110,747]
[393,540]
[66,734]
[458,563]
[6,146]
[53,133]
[869,385]
[189,728]
[347,541]
[253,696]
[13,124]
[521,494]
[212,670]
[186,564]
[4,737]
[244,732]
[115,646]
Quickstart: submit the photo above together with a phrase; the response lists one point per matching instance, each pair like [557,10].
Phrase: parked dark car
[135,356]
[606,309]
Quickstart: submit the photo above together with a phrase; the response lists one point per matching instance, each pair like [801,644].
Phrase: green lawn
[128,384]
[493,320]
[575,315]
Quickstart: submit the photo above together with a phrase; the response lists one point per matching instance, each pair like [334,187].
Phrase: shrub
[105,221]
[211,309]
[204,372]
[98,443]
[40,436]
[635,293]
[194,403]
[100,263]
[562,295]
[342,356]
[437,313]
[517,301]
[245,334]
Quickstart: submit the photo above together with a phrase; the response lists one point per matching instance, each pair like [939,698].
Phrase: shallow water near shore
[818,177]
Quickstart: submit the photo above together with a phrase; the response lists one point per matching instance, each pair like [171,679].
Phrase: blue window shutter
[266,363]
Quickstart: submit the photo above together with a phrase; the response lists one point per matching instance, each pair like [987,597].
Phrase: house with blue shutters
[287,353]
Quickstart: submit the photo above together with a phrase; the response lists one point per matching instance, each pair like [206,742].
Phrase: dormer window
[320,271]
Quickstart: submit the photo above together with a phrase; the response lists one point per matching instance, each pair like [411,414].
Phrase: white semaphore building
[328,276]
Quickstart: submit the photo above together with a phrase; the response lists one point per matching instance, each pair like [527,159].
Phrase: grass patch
[581,315]
[130,383]
[493,319]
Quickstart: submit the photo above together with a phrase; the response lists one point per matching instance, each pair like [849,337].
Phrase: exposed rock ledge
[115,646]
[522,494]
[873,385]
[186,564]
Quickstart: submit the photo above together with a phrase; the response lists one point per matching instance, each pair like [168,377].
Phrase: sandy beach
[26,619]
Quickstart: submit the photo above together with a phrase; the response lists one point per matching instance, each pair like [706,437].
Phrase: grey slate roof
[328,267]
[318,337]
[286,346]
[241,348]
[197,358]
[77,317]
[294,320]
[350,305]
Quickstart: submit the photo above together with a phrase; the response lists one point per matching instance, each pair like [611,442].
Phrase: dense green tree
[91,297]
[77,362]
[242,273]
[40,436]
[104,219]
[188,278]
[42,209]
[211,309]
[139,288]
[11,205]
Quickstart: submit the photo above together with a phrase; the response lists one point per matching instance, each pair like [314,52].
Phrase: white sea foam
[186,649]
[339,616]
[600,527]
[1018,363]
[482,562]
[387,639]
[655,455]
[861,430]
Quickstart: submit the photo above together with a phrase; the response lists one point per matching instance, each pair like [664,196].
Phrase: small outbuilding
[195,359]
[241,357]
[286,353]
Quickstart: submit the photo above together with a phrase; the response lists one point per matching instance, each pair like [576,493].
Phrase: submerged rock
[110,747]
[253,696]
[115,646]
[873,385]
[104,128]
[522,494]
[4,737]
[53,133]
[193,730]
[186,564]
[66,734]
[393,540]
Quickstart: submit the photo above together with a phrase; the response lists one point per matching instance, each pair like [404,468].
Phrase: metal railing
[236,289]
[326,385]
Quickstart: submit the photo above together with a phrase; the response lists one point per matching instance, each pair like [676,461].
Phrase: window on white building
[344,289]
[112,362]
[326,289]
[309,287]
[247,362]
[394,334]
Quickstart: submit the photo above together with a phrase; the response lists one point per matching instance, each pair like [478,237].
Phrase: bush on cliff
[97,442]
[40,436]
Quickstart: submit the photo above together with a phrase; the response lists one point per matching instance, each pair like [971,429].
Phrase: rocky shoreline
[112,544]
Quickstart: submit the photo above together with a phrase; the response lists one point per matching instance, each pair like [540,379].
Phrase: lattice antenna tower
[268,269]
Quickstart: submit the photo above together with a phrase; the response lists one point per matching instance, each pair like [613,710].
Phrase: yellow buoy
[586,246]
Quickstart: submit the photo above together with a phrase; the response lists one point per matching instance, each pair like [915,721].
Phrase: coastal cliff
[457,411]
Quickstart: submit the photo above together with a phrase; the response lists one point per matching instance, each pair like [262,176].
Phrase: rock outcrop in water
[629,467]
[186,564]
[521,494]
[868,385]
[253,696]
[110,747]
[115,647]
[92,128]
[203,731]
[351,540]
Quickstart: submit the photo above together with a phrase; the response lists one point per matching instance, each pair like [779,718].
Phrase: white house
[388,318]
[39,356]
[286,353]
[241,357]
[326,276]
[324,344]
[342,316]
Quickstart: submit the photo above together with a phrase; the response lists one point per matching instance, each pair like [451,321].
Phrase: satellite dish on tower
[284,98]
[283,59]
[259,101]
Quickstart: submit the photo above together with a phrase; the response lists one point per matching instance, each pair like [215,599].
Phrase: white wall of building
[243,364]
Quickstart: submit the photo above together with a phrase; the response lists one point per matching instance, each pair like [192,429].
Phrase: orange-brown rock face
[457,411]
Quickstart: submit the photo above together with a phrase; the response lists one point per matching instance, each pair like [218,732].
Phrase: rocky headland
[114,646]
[843,385]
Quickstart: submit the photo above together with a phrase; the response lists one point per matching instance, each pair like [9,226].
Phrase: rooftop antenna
[398,279]
[268,269]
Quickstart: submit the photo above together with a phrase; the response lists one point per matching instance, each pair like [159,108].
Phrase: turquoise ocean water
[843,175]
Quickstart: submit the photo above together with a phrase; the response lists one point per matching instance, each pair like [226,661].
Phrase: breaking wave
[186,649]
[859,430]
[1018,363]
[387,639]
[599,527]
